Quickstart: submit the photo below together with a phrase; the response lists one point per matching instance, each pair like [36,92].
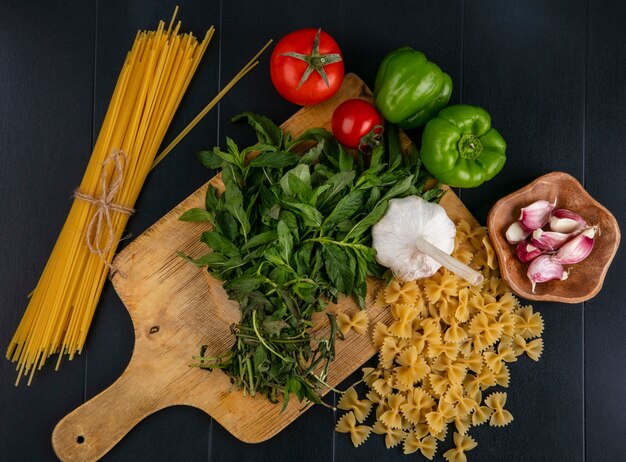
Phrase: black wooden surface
[551,73]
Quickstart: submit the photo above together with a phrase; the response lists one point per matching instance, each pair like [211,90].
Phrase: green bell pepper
[460,148]
[409,89]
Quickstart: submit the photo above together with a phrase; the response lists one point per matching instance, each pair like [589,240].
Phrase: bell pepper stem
[448,262]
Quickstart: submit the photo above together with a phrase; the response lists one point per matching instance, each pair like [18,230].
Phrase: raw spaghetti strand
[151,84]
[247,68]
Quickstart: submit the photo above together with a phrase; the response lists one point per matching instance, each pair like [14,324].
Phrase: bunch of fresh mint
[290,233]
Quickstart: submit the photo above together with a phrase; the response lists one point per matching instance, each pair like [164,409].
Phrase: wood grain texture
[175,309]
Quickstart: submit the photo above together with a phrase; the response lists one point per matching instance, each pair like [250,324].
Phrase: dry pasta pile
[154,77]
[449,342]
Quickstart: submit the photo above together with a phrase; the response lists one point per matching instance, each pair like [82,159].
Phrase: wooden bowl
[585,278]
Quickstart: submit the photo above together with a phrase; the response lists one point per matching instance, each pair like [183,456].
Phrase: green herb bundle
[291,233]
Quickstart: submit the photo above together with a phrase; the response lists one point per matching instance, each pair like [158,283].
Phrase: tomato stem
[315,61]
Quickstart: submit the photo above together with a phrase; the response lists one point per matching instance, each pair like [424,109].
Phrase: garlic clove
[543,269]
[577,249]
[566,221]
[549,240]
[527,252]
[537,214]
[516,233]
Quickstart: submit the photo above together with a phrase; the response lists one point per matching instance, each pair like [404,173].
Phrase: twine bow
[101,220]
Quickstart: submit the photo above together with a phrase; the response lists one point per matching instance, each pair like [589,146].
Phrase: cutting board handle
[91,430]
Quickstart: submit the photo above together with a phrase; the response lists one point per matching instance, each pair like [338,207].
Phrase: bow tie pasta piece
[508,302]
[533,348]
[391,417]
[455,333]
[383,385]
[442,284]
[393,436]
[486,331]
[503,377]
[418,404]
[427,445]
[450,350]
[508,324]
[497,287]
[370,375]
[379,334]
[463,424]
[494,361]
[527,323]
[350,402]
[462,313]
[358,322]
[481,415]
[463,443]
[438,383]
[412,367]
[358,433]
[455,371]
[388,352]
[464,404]
[474,361]
[500,416]
[431,331]
[438,418]
[463,254]
[396,292]
[403,326]
[374,397]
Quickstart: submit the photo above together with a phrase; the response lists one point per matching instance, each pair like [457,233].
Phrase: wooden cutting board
[175,308]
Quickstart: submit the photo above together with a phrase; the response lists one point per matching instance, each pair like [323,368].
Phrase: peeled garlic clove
[577,249]
[549,240]
[516,233]
[537,214]
[543,269]
[527,252]
[566,221]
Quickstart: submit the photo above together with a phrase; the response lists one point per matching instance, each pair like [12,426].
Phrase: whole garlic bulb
[395,237]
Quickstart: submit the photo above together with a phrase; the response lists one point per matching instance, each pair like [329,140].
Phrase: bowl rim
[498,246]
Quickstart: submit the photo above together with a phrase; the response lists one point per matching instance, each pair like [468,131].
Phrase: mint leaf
[278,159]
[340,266]
[219,243]
[197,216]
[310,215]
[260,239]
[209,159]
[345,208]
[313,153]
[337,183]
[285,240]
[267,131]
[368,221]
[399,188]
[300,172]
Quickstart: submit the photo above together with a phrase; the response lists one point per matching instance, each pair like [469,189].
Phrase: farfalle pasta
[447,344]
[350,402]
[357,322]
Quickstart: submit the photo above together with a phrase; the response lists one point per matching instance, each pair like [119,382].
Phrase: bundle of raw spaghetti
[152,82]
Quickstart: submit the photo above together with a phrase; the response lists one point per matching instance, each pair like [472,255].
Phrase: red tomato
[306,66]
[357,124]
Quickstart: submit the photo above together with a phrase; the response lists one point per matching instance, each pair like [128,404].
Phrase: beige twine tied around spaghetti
[101,221]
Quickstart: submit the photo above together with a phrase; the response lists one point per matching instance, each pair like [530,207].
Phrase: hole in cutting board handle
[80,439]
